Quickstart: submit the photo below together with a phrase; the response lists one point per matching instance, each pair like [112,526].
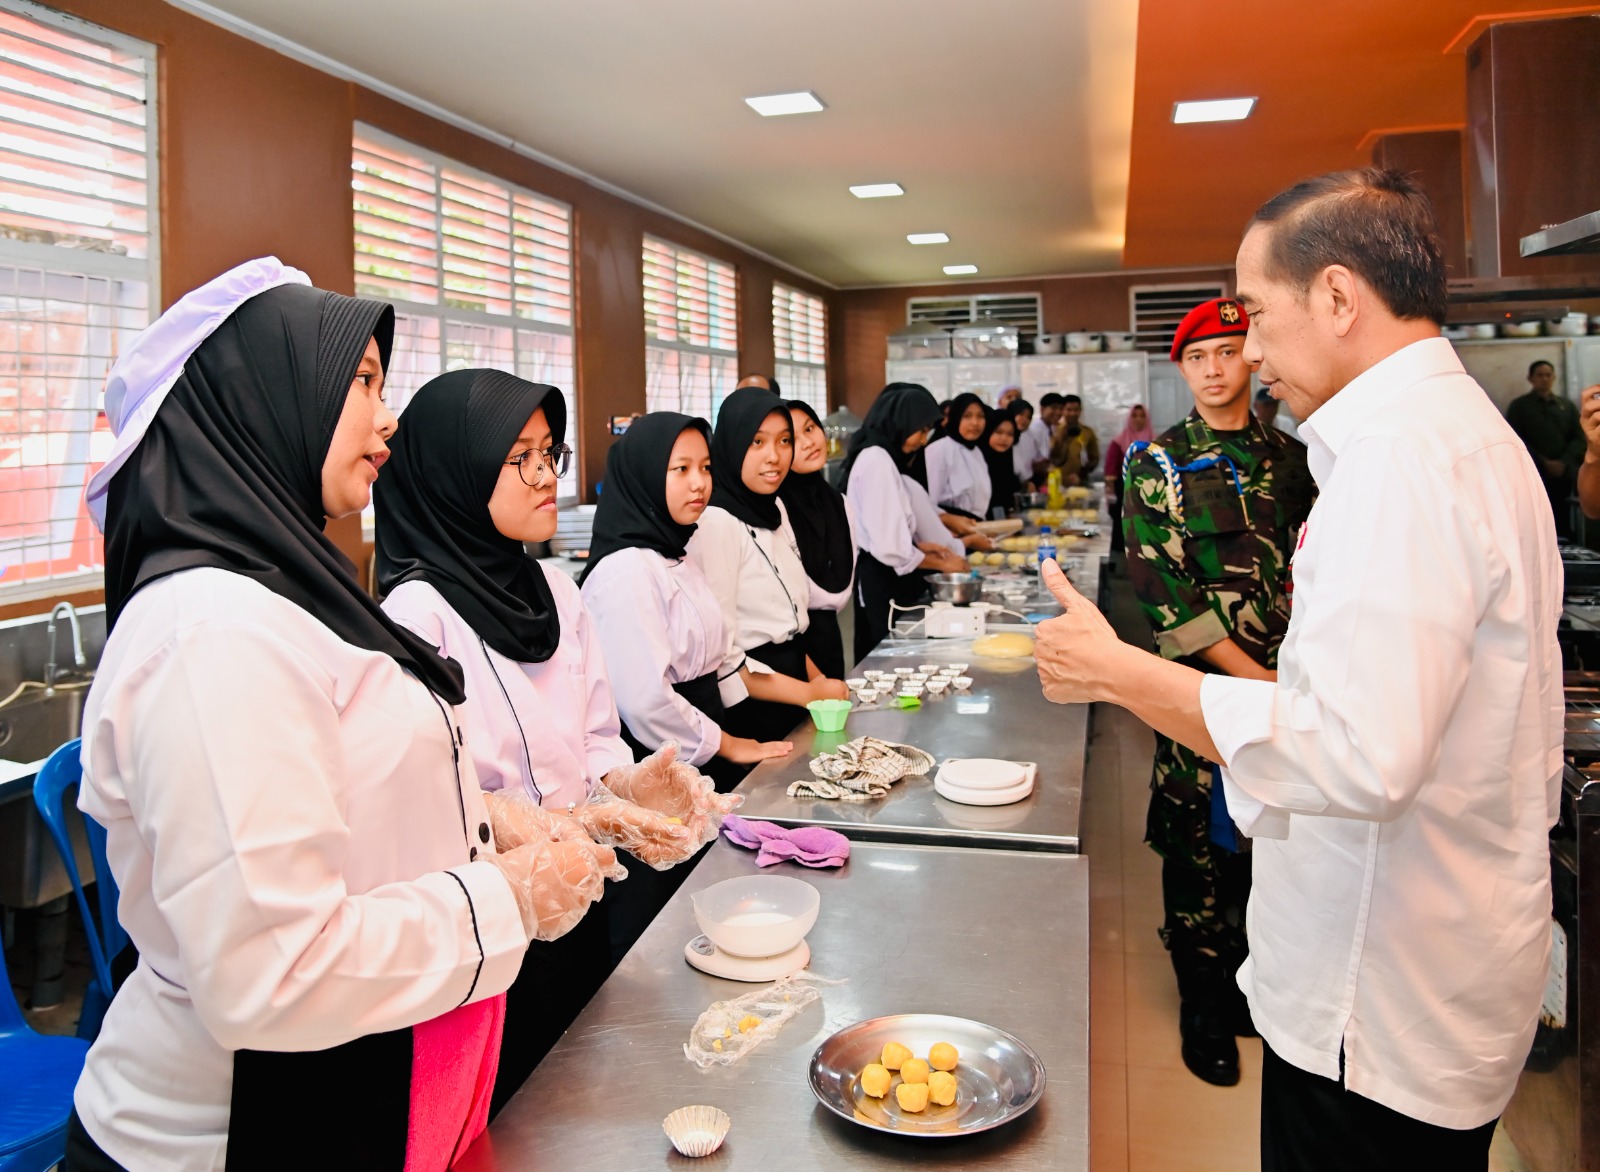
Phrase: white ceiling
[1007,122]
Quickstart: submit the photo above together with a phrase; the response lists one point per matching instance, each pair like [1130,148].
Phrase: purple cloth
[810,846]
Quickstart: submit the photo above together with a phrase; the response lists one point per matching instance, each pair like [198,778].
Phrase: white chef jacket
[759,581]
[958,477]
[1407,762]
[548,728]
[313,881]
[659,624]
[893,512]
[836,600]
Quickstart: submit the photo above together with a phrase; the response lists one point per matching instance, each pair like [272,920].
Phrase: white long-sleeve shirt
[659,624]
[1402,774]
[294,845]
[1031,446]
[548,728]
[759,581]
[893,512]
[836,600]
[958,477]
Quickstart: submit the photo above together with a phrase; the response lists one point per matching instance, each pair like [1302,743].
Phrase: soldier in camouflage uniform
[1211,510]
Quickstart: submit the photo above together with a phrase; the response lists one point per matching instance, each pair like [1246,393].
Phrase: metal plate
[998,1078]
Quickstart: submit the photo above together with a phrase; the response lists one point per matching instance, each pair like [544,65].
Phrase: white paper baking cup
[697,1131]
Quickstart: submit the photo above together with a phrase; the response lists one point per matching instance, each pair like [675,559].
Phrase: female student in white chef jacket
[327,910]
[473,475]
[659,620]
[747,551]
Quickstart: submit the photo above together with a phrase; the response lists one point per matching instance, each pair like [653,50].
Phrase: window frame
[446,314]
[721,363]
[793,373]
[85,263]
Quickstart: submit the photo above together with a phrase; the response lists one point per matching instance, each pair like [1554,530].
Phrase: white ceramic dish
[984,772]
[757,915]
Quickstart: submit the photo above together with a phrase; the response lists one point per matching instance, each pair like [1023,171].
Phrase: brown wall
[255,160]
[1433,158]
[864,318]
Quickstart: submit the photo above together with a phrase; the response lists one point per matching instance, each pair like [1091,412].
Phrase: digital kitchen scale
[708,958]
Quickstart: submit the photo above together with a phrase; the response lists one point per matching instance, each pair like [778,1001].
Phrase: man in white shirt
[1401,775]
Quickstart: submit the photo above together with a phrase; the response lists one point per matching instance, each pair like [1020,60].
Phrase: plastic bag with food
[729,1030]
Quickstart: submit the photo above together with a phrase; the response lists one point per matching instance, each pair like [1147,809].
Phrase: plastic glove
[518,820]
[656,839]
[668,786]
[555,882]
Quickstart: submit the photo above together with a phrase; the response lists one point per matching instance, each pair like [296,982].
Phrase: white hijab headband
[139,382]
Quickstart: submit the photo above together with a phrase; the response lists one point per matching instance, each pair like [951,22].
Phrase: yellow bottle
[1056,498]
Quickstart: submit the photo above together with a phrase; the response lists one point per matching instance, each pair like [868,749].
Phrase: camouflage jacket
[1210,520]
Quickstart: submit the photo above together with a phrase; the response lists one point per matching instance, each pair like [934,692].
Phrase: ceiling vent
[1021,310]
[1154,311]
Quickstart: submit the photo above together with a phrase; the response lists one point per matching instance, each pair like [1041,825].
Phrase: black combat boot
[1206,1027]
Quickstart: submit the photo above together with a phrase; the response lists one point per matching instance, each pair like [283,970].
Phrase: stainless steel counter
[1004,715]
[913,930]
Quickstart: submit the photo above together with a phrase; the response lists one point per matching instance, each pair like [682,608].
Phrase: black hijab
[958,408]
[898,413]
[633,508]
[821,526]
[740,417]
[433,507]
[1003,482]
[229,473]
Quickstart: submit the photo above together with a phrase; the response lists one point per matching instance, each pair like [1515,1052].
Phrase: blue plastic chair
[61,771]
[37,1071]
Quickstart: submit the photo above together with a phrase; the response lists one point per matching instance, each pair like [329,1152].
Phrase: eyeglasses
[555,460]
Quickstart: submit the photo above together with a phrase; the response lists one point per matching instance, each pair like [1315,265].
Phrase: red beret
[1218,318]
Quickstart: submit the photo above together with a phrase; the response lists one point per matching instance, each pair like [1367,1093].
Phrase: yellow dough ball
[912,1096]
[942,1087]
[943,1056]
[894,1054]
[875,1080]
[975,559]
[914,1070]
[995,559]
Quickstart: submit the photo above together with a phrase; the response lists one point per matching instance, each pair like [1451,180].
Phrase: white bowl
[938,686]
[874,676]
[697,1131]
[962,683]
[958,668]
[905,671]
[757,915]
[927,668]
[867,695]
[856,683]
[912,689]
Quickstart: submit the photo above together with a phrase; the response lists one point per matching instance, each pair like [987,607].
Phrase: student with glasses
[472,475]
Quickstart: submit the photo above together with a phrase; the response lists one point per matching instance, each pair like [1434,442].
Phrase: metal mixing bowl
[957,588]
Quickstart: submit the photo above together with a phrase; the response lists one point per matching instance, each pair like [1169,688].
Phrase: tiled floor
[1147,1112]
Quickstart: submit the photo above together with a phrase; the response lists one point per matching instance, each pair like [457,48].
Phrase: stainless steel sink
[30,730]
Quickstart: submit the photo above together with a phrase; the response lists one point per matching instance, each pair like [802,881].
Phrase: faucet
[63,608]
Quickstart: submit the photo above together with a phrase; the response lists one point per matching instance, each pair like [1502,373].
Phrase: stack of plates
[984,781]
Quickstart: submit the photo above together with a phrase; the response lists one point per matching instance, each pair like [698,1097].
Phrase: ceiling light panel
[927,238]
[960,270]
[771,105]
[1221,110]
[876,190]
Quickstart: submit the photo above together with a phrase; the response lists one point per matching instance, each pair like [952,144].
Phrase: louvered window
[691,329]
[77,234]
[1015,309]
[800,345]
[479,271]
[1154,311]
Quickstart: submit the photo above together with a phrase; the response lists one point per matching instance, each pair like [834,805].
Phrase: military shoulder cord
[1171,473]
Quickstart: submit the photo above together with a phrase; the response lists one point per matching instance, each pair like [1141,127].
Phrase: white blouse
[659,624]
[294,841]
[550,728]
[820,599]
[894,512]
[958,477]
[758,579]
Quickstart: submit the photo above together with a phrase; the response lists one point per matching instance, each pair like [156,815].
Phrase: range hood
[1578,235]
